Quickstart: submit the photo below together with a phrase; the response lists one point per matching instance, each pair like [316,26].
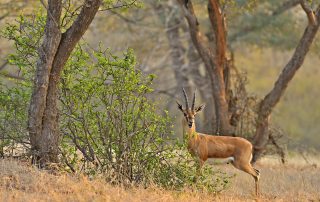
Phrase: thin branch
[308,10]
[280,150]
[4,65]
[4,16]
[69,14]
[67,162]
[123,17]
[119,6]
[12,76]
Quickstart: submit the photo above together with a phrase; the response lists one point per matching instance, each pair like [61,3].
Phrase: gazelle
[204,146]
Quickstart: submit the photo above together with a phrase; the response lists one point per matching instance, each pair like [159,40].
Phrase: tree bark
[43,118]
[218,24]
[272,98]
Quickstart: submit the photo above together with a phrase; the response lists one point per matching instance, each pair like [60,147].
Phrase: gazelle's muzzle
[190,123]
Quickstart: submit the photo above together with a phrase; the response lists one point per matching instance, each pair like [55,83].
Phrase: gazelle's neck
[187,131]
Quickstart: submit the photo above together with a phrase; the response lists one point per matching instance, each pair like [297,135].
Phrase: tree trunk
[47,52]
[272,98]
[218,24]
[43,112]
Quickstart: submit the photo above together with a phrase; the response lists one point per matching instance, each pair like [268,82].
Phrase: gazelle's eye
[184,114]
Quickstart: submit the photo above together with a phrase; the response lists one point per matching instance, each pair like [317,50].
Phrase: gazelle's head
[190,113]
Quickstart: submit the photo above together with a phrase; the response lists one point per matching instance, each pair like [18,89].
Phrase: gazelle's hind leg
[250,170]
[255,174]
[256,179]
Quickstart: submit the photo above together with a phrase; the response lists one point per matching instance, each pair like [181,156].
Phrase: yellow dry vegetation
[296,181]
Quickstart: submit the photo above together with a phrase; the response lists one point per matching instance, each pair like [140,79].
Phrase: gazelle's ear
[179,106]
[200,108]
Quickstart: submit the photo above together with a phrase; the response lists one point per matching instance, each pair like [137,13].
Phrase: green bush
[14,103]
[108,118]
[26,34]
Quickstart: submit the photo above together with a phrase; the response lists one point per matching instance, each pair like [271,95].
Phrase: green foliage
[122,5]
[26,34]
[238,7]
[108,116]
[183,172]
[14,102]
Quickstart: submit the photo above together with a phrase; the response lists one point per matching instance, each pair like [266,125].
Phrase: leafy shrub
[14,103]
[108,118]
[14,99]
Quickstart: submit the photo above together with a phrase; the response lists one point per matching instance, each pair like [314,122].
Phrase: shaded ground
[296,181]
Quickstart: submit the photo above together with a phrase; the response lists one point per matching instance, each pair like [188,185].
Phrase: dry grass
[295,181]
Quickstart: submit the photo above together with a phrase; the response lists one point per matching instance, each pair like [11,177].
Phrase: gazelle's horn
[186,98]
[194,100]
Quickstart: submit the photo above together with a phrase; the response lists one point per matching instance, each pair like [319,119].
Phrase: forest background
[261,38]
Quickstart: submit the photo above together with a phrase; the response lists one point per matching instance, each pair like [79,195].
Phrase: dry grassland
[296,181]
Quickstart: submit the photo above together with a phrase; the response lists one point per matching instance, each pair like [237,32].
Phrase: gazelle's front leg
[198,160]
[200,164]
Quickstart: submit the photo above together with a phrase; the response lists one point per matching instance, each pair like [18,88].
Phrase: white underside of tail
[230,159]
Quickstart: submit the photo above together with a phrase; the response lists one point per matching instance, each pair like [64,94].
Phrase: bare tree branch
[273,97]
